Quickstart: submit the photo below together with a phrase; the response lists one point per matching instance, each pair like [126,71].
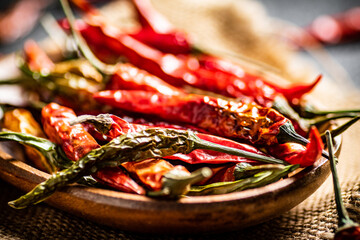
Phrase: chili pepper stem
[288,134]
[339,130]
[313,114]
[201,144]
[344,219]
[322,120]
[175,185]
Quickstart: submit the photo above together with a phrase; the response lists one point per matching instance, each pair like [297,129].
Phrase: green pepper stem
[323,113]
[322,120]
[339,130]
[344,219]
[201,144]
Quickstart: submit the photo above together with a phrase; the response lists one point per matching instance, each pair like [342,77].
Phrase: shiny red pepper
[76,143]
[246,121]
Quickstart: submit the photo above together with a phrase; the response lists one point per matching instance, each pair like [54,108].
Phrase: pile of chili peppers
[137,128]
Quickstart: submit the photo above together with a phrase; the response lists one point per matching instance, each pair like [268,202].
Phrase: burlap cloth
[219,24]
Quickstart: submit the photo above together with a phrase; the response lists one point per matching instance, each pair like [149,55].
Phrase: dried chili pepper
[347,229]
[136,146]
[250,122]
[106,127]
[180,70]
[76,143]
[21,120]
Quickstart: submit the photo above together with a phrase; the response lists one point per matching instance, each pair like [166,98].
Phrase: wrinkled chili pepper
[247,121]
[76,143]
[21,120]
[106,127]
[347,229]
[182,70]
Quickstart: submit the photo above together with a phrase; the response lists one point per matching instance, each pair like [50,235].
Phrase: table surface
[314,219]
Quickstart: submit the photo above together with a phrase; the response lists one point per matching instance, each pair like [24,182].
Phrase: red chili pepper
[295,153]
[76,143]
[193,71]
[330,29]
[156,31]
[130,77]
[199,156]
[218,116]
[36,58]
[204,72]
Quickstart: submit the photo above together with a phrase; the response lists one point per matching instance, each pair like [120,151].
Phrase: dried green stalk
[262,175]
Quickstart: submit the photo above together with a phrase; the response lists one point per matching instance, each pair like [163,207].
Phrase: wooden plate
[197,214]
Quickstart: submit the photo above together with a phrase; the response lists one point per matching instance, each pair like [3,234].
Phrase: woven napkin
[242,28]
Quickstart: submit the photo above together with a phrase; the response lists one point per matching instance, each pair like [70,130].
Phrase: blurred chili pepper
[70,83]
[76,143]
[184,69]
[295,153]
[329,29]
[21,120]
[107,127]
[155,31]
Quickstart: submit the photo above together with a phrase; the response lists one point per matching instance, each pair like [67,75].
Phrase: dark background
[299,12]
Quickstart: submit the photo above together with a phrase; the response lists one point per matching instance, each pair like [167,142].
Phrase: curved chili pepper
[76,143]
[295,153]
[107,127]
